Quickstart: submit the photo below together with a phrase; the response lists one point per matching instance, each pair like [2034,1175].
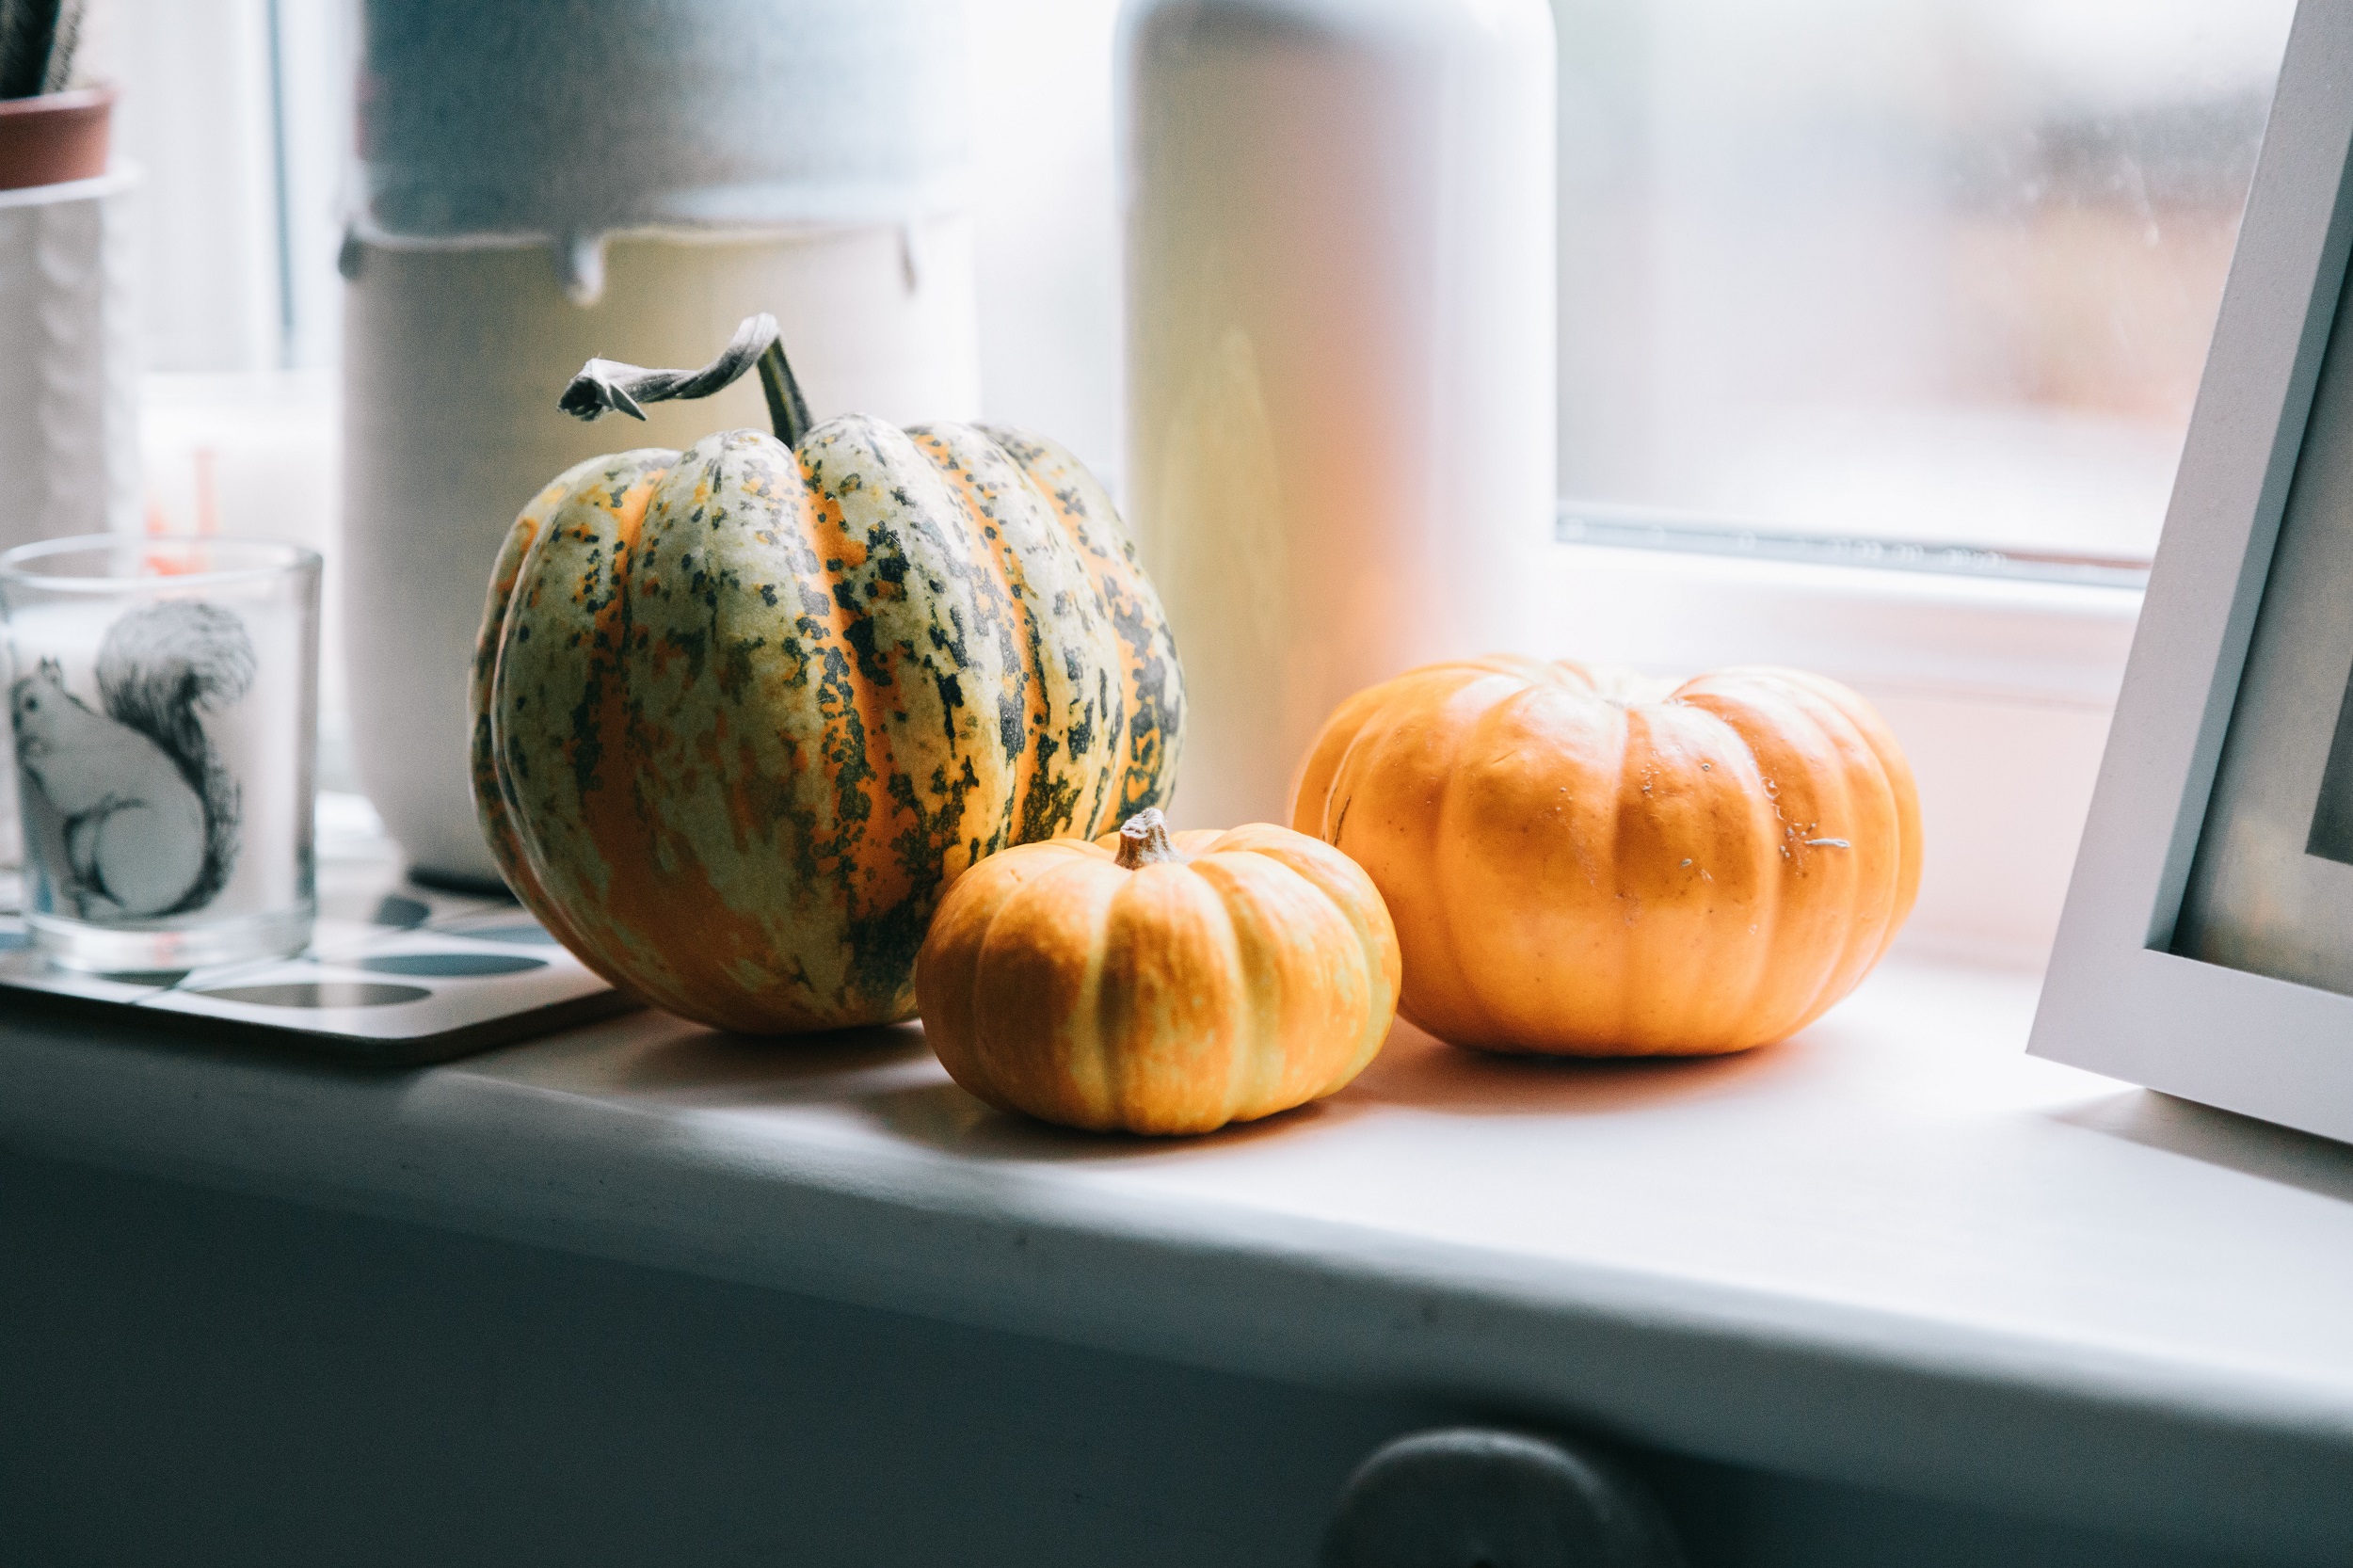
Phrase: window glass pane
[1930,269]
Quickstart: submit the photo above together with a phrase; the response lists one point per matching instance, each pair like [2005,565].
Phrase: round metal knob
[1475,1497]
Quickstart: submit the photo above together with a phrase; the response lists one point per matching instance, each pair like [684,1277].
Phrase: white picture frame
[2150,979]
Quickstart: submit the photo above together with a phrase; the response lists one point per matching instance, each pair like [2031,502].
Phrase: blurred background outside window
[1900,270]
[1910,269]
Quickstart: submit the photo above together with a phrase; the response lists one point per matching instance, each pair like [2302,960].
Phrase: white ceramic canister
[1341,361]
[535,192]
[69,377]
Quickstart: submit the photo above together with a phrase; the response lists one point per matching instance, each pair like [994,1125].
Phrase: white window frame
[1999,689]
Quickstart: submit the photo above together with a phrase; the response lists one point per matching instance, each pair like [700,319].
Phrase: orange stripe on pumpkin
[872,874]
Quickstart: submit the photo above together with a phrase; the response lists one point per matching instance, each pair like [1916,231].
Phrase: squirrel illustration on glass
[137,816]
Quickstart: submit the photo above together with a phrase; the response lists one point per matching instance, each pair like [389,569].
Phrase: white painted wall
[1047,228]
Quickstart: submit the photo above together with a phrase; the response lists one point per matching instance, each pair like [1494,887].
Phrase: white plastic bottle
[1342,361]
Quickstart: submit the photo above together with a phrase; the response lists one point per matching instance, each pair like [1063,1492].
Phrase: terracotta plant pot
[55,137]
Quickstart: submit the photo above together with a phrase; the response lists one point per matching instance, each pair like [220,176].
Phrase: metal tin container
[540,182]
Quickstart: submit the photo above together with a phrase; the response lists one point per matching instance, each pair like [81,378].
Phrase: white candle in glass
[163,708]
[259,738]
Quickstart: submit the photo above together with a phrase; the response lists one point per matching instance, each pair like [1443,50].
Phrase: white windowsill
[1894,1251]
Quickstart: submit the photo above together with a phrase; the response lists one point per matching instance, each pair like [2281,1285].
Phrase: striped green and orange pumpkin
[742,712]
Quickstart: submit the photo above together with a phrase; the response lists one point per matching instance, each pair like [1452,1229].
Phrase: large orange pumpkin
[1160,983]
[1585,863]
[742,712]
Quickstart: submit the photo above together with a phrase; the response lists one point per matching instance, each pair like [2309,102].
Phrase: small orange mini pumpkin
[1153,983]
[1582,863]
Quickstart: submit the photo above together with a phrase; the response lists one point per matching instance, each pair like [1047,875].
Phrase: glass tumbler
[163,704]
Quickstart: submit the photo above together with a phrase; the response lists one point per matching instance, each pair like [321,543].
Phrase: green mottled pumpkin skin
[742,714]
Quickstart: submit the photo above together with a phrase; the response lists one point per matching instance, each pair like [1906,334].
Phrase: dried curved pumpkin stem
[1143,842]
[608,384]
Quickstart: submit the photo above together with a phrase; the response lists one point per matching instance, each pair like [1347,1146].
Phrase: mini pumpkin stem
[1144,840]
[608,384]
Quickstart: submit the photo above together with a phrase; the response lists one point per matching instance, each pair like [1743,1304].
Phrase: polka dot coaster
[319,993]
[395,974]
[451,966]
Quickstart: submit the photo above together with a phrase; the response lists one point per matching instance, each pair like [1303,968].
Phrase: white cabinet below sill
[1892,1294]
